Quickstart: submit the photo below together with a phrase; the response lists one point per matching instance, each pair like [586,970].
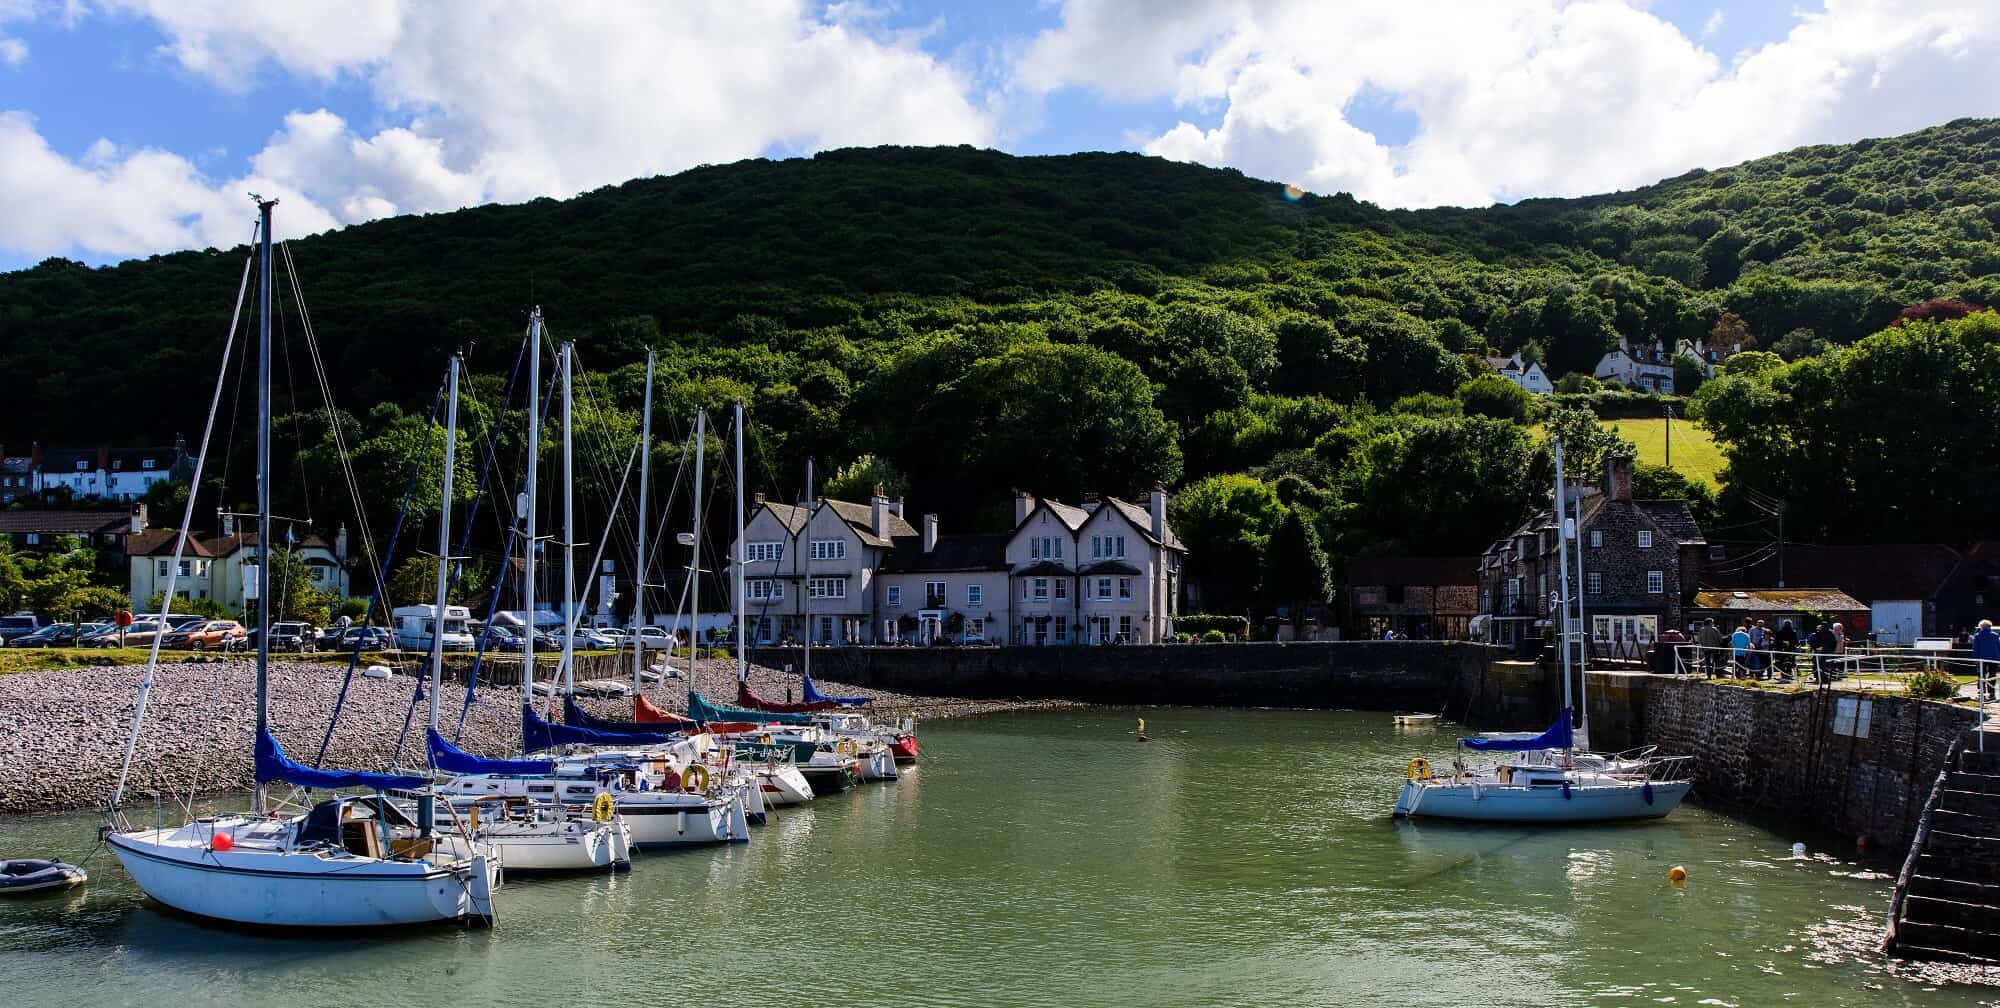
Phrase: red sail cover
[643,711]
[746,697]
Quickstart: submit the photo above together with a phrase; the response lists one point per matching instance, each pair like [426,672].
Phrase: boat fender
[694,773]
[1420,769]
[220,842]
[1478,793]
[1565,791]
[1646,791]
[846,747]
[604,807]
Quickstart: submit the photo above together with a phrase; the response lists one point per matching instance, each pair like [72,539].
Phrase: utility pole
[1670,436]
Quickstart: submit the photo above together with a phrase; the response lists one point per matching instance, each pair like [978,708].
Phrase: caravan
[413,627]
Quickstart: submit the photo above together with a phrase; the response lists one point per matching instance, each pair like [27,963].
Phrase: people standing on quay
[1822,643]
[1986,649]
[1788,646]
[1739,649]
[1710,639]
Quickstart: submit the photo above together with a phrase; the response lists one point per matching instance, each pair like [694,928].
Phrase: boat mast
[1562,571]
[528,511]
[639,557]
[569,530]
[742,632]
[426,803]
[260,800]
[694,575]
[1583,641]
[803,581]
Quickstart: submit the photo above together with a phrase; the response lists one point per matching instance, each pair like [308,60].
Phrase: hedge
[1198,624]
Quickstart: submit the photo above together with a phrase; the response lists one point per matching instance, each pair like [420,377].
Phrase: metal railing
[1888,663]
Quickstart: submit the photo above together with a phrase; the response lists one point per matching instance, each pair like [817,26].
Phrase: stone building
[1426,598]
[1641,563]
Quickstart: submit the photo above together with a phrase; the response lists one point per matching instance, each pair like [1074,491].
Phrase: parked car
[587,637]
[139,634]
[653,637]
[18,625]
[177,621]
[371,638]
[299,637]
[499,637]
[217,635]
[57,635]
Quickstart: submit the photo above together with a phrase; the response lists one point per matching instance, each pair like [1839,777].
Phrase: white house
[1528,375]
[217,567]
[102,473]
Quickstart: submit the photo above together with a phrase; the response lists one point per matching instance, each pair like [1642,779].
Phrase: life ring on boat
[846,747]
[1420,769]
[695,772]
[604,807]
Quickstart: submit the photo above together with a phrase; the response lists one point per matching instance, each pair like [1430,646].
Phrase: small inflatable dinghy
[22,876]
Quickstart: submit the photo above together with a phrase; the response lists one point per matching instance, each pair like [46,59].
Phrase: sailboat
[1549,777]
[543,836]
[348,861]
[644,778]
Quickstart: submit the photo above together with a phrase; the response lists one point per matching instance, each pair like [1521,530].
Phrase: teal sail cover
[702,711]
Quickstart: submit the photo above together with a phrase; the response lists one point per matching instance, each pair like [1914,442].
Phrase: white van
[413,627]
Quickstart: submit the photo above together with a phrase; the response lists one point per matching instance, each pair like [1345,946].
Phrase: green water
[1240,858]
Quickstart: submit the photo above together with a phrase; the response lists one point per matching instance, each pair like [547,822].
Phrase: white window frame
[942,598]
[895,596]
[1656,582]
[827,588]
[1062,588]
[1125,588]
[1097,547]
[1645,538]
[1596,538]
[828,549]
[1119,543]
[1125,628]
[1104,587]
[764,590]
[1060,631]
[975,595]
[162,569]
[763,552]
[145,463]
[975,628]
[1041,589]
[1593,583]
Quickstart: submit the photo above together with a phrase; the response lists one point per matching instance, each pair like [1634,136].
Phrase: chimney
[103,458]
[35,456]
[896,507]
[930,533]
[138,518]
[1023,503]
[879,505]
[340,544]
[1618,477]
[757,500]
[228,524]
[1159,510]
[1090,500]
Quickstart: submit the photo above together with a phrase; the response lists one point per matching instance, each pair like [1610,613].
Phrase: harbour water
[1239,858]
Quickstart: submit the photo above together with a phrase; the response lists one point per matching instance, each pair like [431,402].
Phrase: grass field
[1695,455]
[36,659]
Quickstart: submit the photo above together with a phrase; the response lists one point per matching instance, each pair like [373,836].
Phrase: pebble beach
[63,731]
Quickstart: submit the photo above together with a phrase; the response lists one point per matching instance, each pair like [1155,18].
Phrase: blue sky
[129,127]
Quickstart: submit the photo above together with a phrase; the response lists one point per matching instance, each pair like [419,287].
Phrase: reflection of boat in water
[1416,720]
[1541,779]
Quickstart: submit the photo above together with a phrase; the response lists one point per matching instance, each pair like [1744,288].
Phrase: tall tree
[1297,573]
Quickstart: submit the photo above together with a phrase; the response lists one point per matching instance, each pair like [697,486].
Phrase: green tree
[1689,373]
[1586,442]
[1493,396]
[1437,486]
[1296,571]
[857,480]
[1225,521]
[166,502]
[1753,363]
[293,595]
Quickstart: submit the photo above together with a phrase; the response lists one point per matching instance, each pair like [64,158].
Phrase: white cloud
[1512,98]
[508,101]
[13,51]
[1713,24]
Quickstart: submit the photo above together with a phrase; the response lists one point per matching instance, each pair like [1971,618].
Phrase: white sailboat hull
[305,889]
[572,845]
[675,824]
[1485,802]
[782,785]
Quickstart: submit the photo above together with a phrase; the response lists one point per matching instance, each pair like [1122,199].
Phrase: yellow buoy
[1677,875]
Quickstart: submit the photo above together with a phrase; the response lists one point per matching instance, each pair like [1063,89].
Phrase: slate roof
[1111,567]
[1045,568]
[160,542]
[1871,572]
[1408,570]
[1674,519]
[1069,514]
[861,518]
[1144,520]
[962,552]
[791,516]
[64,522]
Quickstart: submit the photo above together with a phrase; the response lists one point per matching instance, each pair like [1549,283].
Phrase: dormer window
[1645,539]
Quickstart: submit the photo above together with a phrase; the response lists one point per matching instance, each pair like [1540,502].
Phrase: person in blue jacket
[1986,648]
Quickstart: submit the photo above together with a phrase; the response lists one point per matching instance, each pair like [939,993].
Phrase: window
[975,595]
[1645,538]
[763,552]
[1593,583]
[895,596]
[829,549]
[145,463]
[1103,587]
[1062,629]
[1656,583]
[34,538]
[117,463]
[1062,588]
[762,590]
[163,569]
[934,597]
[1041,589]
[1045,548]
[1596,538]
[975,628]
[1118,547]
[1624,629]
[1125,629]
[184,568]
[81,465]
[1097,547]
[1125,588]
[827,588]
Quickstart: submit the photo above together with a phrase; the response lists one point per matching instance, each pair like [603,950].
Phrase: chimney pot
[878,507]
[930,532]
[757,499]
[1618,477]
[1024,503]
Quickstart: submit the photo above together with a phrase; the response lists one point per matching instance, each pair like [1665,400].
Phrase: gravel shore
[63,731]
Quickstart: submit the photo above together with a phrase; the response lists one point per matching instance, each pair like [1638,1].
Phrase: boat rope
[181,539]
[493,604]
[381,584]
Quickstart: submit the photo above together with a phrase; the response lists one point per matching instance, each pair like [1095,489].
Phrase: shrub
[1932,685]
[1214,637]
[1201,625]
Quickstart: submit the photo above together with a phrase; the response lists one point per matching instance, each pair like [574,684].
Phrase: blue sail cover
[451,759]
[1557,737]
[637,731]
[813,695]
[537,734]
[273,765]
[702,711]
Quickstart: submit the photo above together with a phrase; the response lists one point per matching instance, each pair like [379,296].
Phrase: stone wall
[1388,675]
[1778,756]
